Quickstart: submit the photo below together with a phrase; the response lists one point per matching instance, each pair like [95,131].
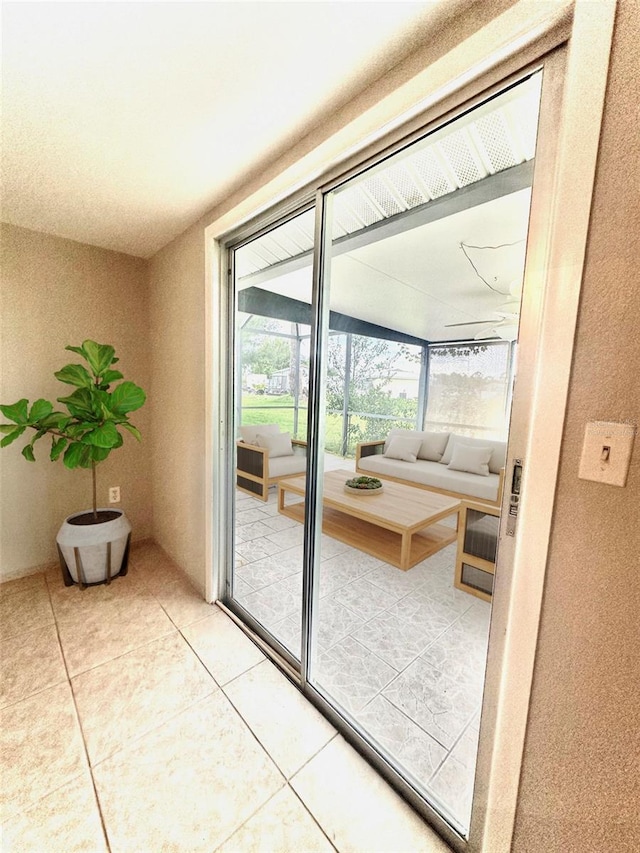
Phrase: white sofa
[445,462]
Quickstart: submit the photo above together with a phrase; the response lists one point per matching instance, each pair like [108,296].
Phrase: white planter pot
[89,550]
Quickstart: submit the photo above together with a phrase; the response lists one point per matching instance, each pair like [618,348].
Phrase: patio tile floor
[182,739]
[402,652]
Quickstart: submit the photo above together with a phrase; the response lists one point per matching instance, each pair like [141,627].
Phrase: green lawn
[279,410]
[265,409]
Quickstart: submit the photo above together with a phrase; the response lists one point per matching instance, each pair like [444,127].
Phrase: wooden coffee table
[398,525]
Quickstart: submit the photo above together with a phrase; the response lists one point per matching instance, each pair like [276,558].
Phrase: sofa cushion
[498,456]
[403,447]
[287,466]
[250,431]
[277,443]
[434,475]
[432,443]
[473,460]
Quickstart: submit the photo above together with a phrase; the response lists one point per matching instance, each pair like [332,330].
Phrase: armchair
[264,455]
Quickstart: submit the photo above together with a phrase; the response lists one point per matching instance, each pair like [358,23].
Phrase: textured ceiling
[124,122]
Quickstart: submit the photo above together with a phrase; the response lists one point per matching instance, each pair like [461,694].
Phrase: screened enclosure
[373,383]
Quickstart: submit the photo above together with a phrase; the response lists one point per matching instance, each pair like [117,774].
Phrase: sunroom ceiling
[494,138]
[419,280]
[430,243]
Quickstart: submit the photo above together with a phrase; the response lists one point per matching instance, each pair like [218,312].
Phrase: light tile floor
[403,653]
[136,717]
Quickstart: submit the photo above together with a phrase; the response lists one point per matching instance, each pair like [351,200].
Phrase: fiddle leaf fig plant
[89,430]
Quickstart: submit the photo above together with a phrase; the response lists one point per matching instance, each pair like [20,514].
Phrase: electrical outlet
[114,495]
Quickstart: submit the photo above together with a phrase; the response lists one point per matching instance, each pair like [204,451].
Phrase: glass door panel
[272,316]
[425,267]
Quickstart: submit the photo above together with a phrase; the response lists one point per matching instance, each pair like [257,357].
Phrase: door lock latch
[514,497]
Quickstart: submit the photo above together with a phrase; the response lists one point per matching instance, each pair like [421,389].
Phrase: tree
[371,366]
[263,352]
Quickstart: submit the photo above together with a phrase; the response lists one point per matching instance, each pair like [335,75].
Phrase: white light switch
[606,452]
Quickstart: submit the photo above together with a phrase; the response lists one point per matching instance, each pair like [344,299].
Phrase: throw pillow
[473,460]
[405,449]
[250,431]
[498,456]
[278,444]
[432,443]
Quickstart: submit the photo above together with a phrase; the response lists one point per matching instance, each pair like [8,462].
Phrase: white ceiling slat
[370,199]
[345,214]
[447,169]
[459,158]
[288,241]
[361,205]
[478,144]
[520,129]
[378,189]
[262,254]
[420,184]
[303,227]
[498,141]
[272,243]
[483,170]
[394,191]
[430,168]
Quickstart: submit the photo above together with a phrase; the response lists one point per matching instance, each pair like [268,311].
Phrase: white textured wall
[57,292]
[580,785]
[178,401]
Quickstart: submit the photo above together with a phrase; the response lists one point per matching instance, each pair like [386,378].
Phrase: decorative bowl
[363,486]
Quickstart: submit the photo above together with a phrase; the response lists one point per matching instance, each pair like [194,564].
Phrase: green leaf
[104,436]
[27,452]
[40,409]
[5,428]
[76,455]
[127,397]
[98,355]
[113,360]
[79,403]
[100,401]
[79,350]
[133,430]
[57,447]
[17,412]
[11,436]
[99,454]
[56,420]
[110,376]
[78,430]
[74,374]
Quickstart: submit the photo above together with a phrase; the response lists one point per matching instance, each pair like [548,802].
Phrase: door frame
[580,34]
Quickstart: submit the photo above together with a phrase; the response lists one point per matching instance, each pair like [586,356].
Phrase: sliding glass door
[371,409]
[270,367]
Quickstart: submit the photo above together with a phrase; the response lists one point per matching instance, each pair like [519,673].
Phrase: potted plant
[363,485]
[93,545]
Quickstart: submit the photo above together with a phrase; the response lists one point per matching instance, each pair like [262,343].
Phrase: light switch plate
[606,452]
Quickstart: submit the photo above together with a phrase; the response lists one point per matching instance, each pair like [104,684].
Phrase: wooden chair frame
[252,468]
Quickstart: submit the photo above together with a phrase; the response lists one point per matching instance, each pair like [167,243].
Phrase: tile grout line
[82,735]
[306,808]
[134,741]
